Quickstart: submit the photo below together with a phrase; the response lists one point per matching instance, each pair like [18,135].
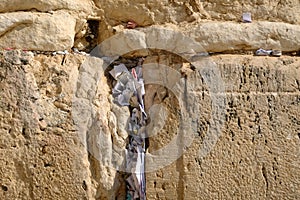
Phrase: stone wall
[62,137]
[58,25]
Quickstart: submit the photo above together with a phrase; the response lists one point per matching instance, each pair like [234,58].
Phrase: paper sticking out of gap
[247,17]
[263,52]
[142,88]
[139,166]
[124,98]
[117,70]
[118,89]
[129,91]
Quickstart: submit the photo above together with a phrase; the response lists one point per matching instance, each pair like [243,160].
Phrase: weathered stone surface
[226,36]
[100,127]
[41,155]
[43,5]
[37,31]
[206,37]
[62,138]
[257,150]
[123,43]
[179,11]
[261,10]
[113,14]
[256,155]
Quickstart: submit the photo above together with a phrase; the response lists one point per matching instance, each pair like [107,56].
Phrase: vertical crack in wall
[181,183]
[180,161]
[265,176]
[128,91]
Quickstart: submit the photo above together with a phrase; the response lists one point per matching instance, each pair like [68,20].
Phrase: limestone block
[256,154]
[37,31]
[224,36]
[286,11]
[121,10]
[39,161]
[122,43]
[118,125]
[44,5]
[158,37]
[206,37]
[162,11]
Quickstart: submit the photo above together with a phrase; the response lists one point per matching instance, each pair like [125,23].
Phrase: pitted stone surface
[44,154]
[257,151]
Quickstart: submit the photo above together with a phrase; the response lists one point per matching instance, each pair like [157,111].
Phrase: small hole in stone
[47,165]
[164,186]
[23,131]
[84,186]
[299,135]
[4,188]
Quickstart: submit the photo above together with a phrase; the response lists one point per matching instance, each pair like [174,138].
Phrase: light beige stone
[40,132]
[181,11]
[123,43]
[37,31]
[43,5]
[257,150]
[261,10]
[206,37]
[62,138]
[226,36]
[248,161]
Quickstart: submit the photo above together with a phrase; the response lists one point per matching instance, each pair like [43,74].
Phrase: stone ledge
[210,37]
[228,36]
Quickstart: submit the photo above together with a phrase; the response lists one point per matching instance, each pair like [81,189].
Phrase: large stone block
[37,31]
[226,36]
[179,11]
[44,5]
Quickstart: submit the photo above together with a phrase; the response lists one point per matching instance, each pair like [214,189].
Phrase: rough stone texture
[113,15]
[43,5]
[61,137]
[263,10]
[32,31]
[256,156]
[179,11]
[41,155]
[229,36]
[211,37]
